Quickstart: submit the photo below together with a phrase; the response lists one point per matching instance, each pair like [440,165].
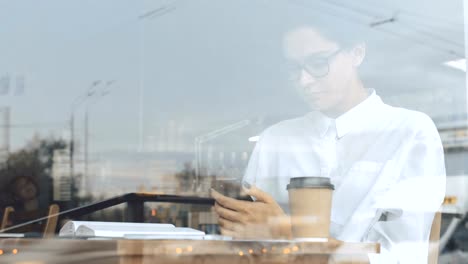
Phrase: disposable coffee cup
[310,200]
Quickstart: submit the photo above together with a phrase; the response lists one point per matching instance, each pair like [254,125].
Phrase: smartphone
[231,188]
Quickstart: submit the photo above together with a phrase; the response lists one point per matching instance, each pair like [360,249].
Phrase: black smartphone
[231,188]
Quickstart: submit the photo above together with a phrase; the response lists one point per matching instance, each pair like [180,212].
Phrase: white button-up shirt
[386,164]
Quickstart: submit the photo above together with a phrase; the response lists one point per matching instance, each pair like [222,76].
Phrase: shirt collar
[355,118]
[321,122]
[359,115]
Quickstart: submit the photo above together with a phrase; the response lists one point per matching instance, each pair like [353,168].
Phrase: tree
[35,160]
[186,177]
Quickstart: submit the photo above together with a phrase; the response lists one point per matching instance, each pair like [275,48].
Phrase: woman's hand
[263,218]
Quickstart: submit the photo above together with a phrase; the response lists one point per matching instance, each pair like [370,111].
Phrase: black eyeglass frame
[298,67]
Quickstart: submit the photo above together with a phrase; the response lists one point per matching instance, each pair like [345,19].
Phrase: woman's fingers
[228,202]
[228,213]
[228,224]
[248,219]
[260,195]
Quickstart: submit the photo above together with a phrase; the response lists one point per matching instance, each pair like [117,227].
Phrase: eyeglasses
[317,67]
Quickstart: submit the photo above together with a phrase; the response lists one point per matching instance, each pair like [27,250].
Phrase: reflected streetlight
[75,104]
[98,95]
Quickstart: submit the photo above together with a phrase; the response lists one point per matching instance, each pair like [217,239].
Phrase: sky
[205,64]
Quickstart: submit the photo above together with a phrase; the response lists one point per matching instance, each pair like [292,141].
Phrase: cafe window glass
[100,99]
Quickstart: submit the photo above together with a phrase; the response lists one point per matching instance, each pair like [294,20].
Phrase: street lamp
[77,102]
[105,91]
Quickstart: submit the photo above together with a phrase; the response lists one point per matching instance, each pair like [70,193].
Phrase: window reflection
[171,97]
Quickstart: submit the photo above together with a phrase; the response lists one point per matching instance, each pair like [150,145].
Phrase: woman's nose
[306,78]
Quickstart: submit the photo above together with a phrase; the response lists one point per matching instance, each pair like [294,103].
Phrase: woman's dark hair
[343,30]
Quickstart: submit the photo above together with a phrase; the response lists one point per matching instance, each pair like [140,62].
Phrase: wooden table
[51,251]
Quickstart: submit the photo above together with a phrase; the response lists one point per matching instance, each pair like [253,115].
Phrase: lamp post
[77,102]
[102,93]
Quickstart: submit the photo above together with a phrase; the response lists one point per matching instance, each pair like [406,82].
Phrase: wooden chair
[47,229]
[434,239]
[6,216]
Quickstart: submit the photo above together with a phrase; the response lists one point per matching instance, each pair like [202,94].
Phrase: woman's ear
[359,53]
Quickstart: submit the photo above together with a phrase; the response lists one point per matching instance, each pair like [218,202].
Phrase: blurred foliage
[186,178]
[35,161]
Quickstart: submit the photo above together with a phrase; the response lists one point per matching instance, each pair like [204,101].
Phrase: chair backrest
[6,217]
[434,238]
[47,228]
[51,224]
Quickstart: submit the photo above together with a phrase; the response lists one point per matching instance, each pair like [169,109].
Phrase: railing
[135,206]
